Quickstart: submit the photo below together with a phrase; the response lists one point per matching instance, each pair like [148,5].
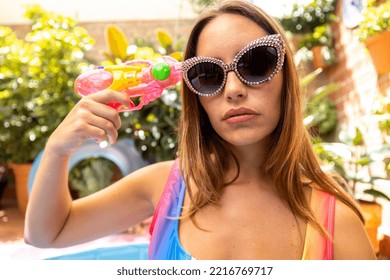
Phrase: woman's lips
[237,115]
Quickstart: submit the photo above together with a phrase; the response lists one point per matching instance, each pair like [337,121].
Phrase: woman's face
[240,114]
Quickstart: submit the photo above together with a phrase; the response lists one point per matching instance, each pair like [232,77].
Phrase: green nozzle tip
[161,71]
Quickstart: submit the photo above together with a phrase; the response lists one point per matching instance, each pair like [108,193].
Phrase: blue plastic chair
[124,154]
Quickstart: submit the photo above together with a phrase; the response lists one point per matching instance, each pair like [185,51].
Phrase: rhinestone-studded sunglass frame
[257,63]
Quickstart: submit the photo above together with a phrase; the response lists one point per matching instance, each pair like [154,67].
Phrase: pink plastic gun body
[138,79]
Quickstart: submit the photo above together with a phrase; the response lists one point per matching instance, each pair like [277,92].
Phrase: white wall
[11,11]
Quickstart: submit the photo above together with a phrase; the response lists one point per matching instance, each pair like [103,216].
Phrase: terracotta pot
[372,212]
[379,49]
[21,172]
[3,180]
[384,246]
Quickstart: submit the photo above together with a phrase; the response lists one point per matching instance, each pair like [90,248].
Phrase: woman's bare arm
[52,218]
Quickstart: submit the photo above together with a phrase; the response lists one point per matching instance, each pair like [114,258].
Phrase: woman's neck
[251,160]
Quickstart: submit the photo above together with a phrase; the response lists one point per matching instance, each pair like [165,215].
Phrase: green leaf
[306,80]
[377,194]
[116,41]
[364,161]
[324,91]
[358,140]
[164,38]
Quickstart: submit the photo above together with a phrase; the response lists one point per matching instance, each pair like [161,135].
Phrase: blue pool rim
[126,252]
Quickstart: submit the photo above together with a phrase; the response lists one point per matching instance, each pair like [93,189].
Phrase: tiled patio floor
[11,221]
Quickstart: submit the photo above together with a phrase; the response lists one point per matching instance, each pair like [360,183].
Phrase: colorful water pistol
[141,80]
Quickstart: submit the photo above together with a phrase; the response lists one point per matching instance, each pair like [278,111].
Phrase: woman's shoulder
[155,170]
[160,167]
[344,214]
[350,238]
[149,181]
[346,219]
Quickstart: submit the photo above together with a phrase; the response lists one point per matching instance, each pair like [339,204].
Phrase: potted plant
[36,86]
[91,175]
[320,43]
[353,160]
[310,25]
[374,31]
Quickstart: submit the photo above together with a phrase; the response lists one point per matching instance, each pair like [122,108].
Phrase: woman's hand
[91,118]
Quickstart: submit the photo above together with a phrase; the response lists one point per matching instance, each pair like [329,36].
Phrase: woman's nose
[234,88]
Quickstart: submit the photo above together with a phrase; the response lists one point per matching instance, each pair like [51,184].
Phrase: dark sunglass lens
[206,77]
[257,64]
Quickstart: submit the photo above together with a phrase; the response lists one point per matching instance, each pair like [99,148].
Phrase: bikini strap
[171,183]
[317,246]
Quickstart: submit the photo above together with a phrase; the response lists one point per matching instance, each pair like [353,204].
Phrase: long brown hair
[204,154]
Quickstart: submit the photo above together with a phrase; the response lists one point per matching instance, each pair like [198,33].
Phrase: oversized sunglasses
[256,63]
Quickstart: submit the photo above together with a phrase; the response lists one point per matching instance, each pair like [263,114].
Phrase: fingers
[87,108]
[99,135]
[97,120]
[109,95]
[90,118]
[103,129]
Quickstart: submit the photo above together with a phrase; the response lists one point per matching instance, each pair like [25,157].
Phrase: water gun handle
[141,80]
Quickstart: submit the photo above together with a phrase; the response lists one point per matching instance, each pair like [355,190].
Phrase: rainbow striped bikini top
[165,243]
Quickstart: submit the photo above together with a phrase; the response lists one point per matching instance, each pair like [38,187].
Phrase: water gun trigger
[123,77]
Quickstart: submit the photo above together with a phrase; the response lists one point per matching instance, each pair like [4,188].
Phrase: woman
[246,184]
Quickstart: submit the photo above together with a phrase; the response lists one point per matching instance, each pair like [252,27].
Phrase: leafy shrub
[36,81]
[304,19]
